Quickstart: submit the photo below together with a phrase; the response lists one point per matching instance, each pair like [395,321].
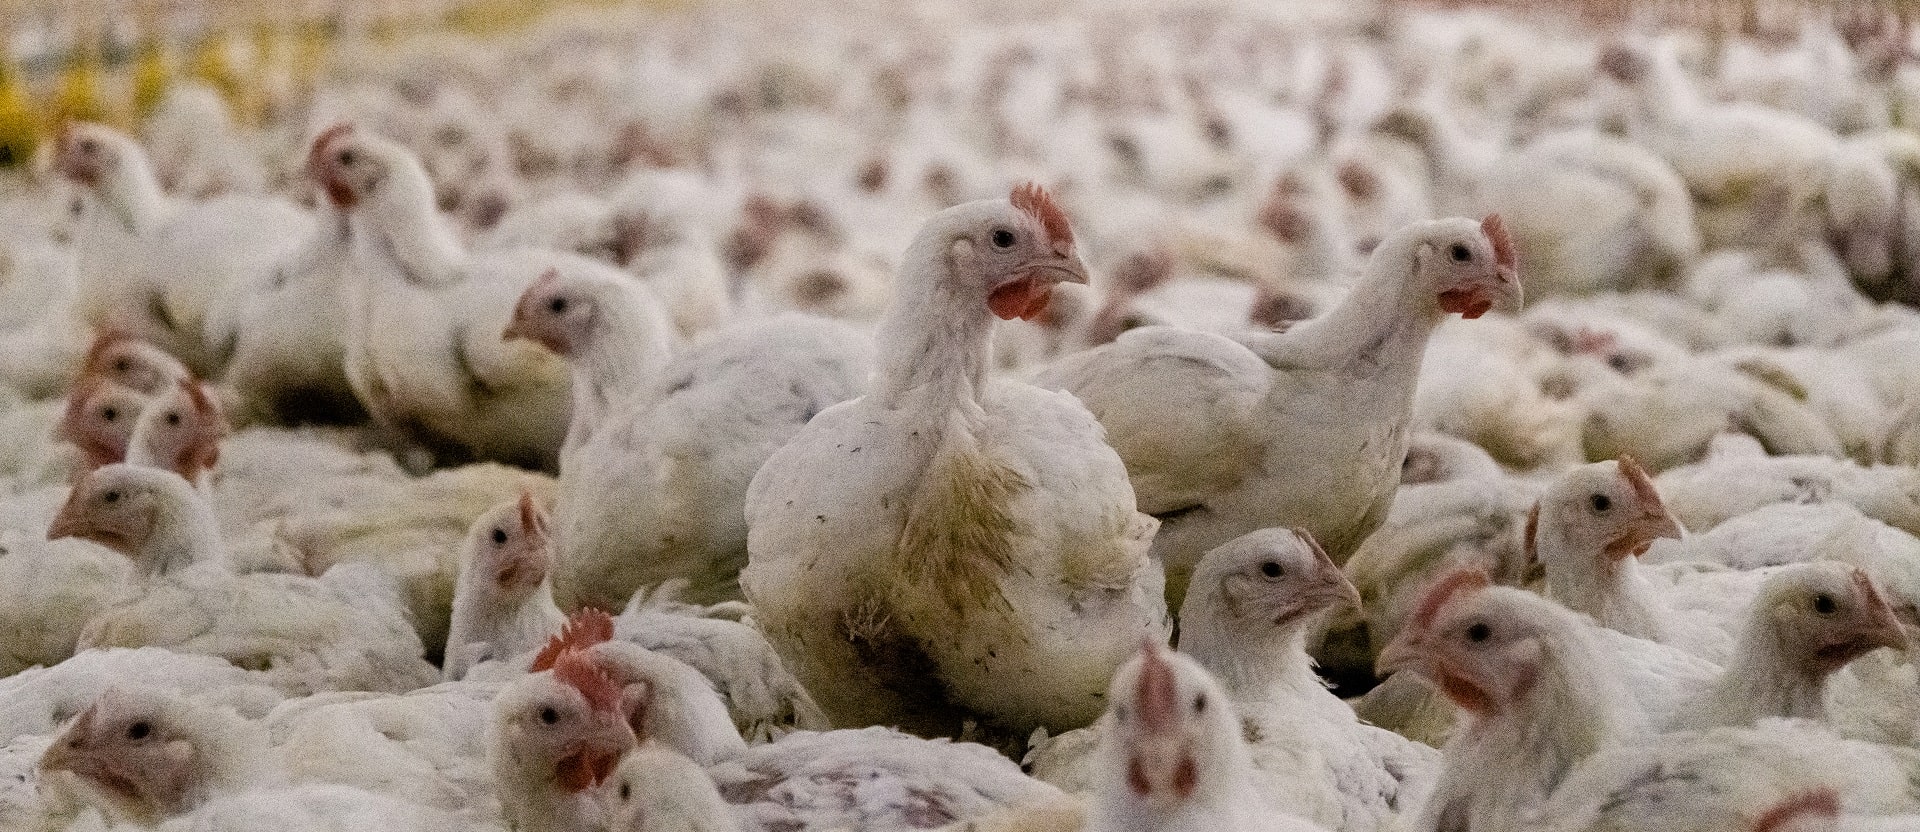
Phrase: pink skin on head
[587,767]
[1157,703]
[1027,297]
[1654,521]
[529,312]
[1878,627]
[1409,649]
[197,449]
[99,420]
[1472,302]
[527,567]
[320,162]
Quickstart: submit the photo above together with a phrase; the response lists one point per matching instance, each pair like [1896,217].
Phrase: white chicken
[645,497]
[1302,428]
[978,556]
[423,349]
[172,274]
[1173,758]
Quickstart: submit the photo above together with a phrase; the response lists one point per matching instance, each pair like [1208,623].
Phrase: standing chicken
[950,547]
[423,351]
[1307,427]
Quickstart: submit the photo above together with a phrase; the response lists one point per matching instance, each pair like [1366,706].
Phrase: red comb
[1155,690]
[1641,481]
[1039,204]
[530,518]
[1496,232]
[1465,580]
[1319,552]
[80,394]
[204,403]
[581,673]
[1823,802]
[584,629]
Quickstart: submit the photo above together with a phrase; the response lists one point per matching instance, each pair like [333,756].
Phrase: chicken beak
[1654,522]
[72,519]
[1882,627]
[1334,587]
[1508,295]
[1061,267]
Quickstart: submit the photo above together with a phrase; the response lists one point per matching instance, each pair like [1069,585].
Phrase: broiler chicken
[1256,600]
[976,555]
[170,273]
[143,756]
[1307,427]
[1173,757]
[423,347]
[646,496]
[346,629]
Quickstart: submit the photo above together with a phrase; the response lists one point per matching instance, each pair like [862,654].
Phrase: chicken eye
[89,146]
[173,418]
[1824,604]
[123,365]
[1200,704]
[1601,502]
[346,157]
[626,791]
[1479,632]
[1271,569]
[499,536]
[1460,253]
[110,414]
[549,716]
[112,497]
[1002,238]
[1619,363]
[557,306]
[139,731]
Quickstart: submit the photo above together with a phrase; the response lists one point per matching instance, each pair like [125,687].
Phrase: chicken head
[1485,657]
[1826,614]
[554,313]
[1272,578]
[114,506]
[1598,515]
[561,729]
[1471,271]
[100,419]
[1019,250]
[129,753]
[1172,726]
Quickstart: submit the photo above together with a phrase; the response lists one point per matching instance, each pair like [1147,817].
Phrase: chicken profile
[663,444]
[423,347]
[978,555]
[1306,427]
[168,272]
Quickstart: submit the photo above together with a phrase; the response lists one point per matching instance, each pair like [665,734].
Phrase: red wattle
[1025,298]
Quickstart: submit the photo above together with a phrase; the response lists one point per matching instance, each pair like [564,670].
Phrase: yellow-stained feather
[958,539]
